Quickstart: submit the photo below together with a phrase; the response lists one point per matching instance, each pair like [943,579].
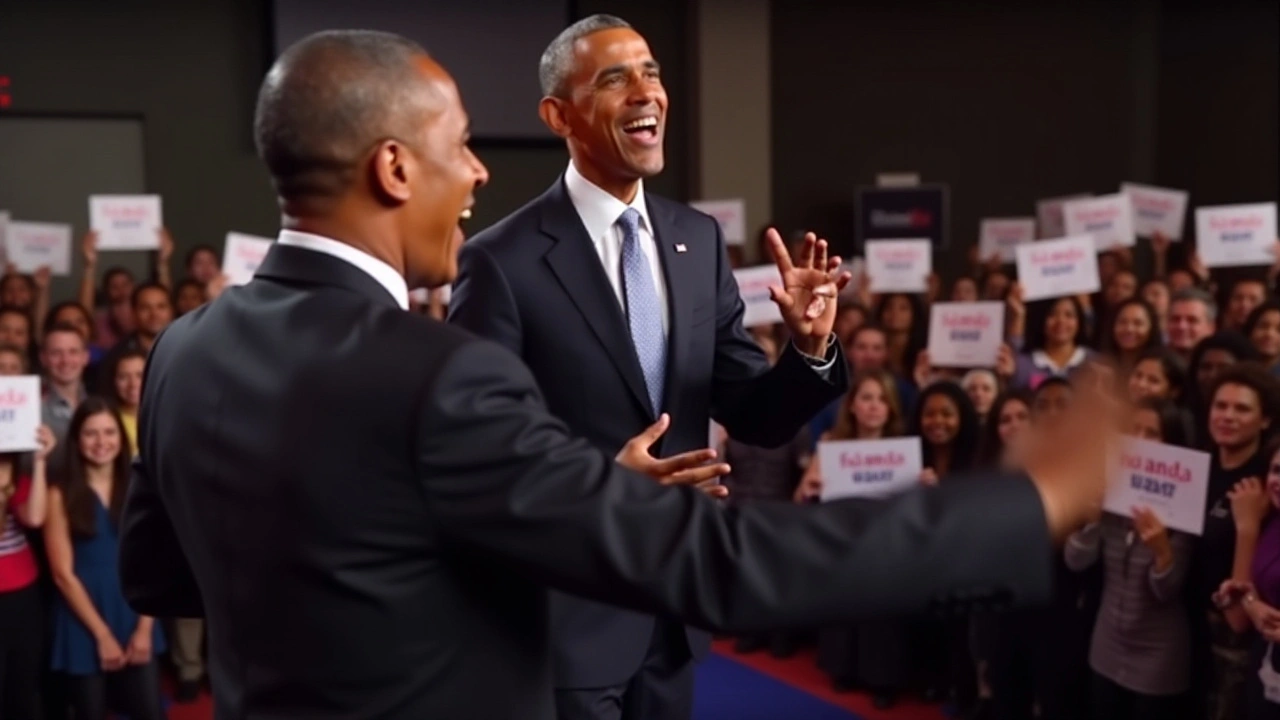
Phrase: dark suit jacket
[368,507]
[534,284]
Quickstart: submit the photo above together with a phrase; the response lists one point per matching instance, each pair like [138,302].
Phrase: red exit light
[5,99]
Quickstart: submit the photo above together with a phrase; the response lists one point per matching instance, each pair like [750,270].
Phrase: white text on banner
[19,412]
[1001,236]
[1172,481]
[730,214]
[242,256]
[899,265]
[1109,219]
[1236,235]
[965,335]
[126,222]
[753,286]
[1156,209]
[32,245]
[1058,268]
[868,468]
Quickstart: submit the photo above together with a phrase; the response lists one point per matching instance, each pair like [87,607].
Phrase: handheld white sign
[868,468]
[19,412]
[1109,219]
[899,265]
[753,287]
[1058,268]
[1156,209]
[1002,236]
[965,335]
[242,256]
[32,245]
[126,222]
[1172,481]
[730,214]
[1236,235]
[1049,215]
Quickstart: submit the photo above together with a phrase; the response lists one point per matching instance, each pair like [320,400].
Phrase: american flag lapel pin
[681,248]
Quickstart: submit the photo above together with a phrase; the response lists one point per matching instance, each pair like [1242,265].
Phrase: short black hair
[327,100]
[137,292]
[556,64]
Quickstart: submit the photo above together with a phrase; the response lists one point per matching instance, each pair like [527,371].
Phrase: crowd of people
[68,640]
[1147,622]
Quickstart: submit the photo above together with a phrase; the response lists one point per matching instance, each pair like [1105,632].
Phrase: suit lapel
[679,272]
[576,265]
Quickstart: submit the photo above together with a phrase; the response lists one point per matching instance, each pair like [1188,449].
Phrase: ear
[552,112]
[392,166]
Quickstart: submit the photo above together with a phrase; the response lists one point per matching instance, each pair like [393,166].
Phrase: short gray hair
[327,100]
[1197,295]
[557,60]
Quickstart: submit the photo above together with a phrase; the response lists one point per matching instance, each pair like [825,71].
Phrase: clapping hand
[807,295]
[690,468]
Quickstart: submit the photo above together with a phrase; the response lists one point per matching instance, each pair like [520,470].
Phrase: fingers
[697,476]
[820,261]
[676,463]
[781,297]
[646,439]
[714,490]
[806,253]
[778,250]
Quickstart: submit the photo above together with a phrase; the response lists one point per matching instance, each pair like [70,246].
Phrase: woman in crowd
[23,507]
[127,391]
[905,323]
[1133,330]
[1140,652]
[982,386]
[1055,342]
[102,647]
[871,655]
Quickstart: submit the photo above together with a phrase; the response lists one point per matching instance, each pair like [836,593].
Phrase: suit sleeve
[504,478]
[482,301]
[154,573]
[756,404]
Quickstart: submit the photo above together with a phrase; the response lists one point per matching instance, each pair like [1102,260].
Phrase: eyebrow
[612,70]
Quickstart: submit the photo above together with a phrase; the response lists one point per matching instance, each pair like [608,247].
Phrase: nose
[482,173]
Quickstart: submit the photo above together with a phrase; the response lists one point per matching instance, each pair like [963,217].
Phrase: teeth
[649,122]
[465,214]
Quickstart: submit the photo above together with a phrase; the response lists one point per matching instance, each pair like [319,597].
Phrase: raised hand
[807,295]
[1153,534]
[1249,504]
[1070,463]
[690,468]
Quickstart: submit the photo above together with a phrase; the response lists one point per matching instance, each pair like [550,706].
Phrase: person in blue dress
[105,650]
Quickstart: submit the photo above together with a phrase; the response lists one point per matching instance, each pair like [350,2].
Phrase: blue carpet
[726,690]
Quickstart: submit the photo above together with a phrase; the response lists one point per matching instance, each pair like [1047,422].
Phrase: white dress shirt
[599,212]
[386,275]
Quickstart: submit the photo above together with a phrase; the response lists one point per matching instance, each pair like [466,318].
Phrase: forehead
[1190,307]
[606,49]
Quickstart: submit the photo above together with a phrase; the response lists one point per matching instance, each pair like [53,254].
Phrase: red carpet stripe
[802,673]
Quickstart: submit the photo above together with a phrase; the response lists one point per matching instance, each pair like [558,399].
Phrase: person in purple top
[1254,602]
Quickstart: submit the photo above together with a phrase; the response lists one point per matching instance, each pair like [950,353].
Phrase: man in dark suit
[367,505]
[624,306]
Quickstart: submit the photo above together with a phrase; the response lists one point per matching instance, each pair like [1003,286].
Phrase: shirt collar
[386,275]
[598,209]
[1041,359]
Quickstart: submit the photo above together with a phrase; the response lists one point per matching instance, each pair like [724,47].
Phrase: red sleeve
[23,492]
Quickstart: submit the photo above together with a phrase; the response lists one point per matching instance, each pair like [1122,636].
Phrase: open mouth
[644,129]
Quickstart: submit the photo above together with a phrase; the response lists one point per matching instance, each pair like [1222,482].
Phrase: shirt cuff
[822,366]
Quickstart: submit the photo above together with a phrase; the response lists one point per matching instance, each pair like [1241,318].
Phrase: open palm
[807,295]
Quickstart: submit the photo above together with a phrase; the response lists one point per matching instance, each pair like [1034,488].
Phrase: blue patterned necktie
[643,309]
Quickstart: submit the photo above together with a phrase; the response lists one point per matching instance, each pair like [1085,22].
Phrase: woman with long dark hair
[101,645]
